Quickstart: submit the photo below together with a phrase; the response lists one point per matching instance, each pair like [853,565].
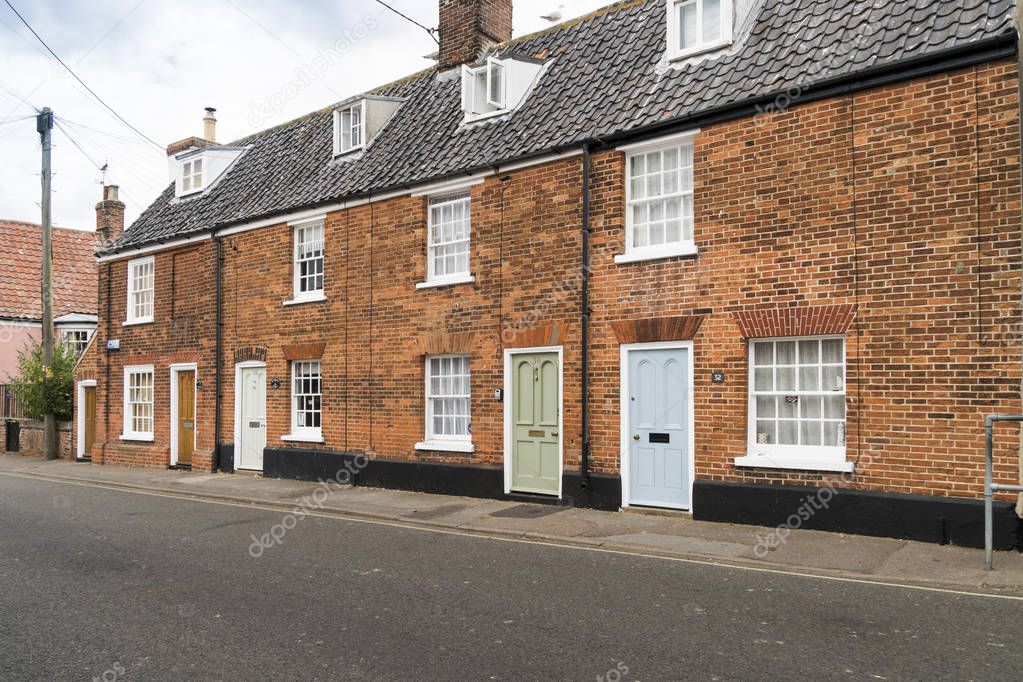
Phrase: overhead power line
[431,31]
[77,78]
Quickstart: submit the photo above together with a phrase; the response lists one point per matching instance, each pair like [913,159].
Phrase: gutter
[219,317]
[1018,23]
[584,313]
[962,56]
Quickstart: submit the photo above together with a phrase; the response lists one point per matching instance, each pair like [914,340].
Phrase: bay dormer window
[696,26]
[497,86]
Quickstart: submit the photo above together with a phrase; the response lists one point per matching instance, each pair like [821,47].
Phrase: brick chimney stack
[468,28]
[109,216]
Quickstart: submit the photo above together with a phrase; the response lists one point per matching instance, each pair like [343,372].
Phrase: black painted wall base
[465,480]
[225,458]
[923,518]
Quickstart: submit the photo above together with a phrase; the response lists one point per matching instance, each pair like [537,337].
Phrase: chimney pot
[209,127]
[468,28]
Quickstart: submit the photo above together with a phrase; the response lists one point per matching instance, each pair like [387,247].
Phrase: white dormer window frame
[497,87]
[709,23]
[192,175]
[350,128]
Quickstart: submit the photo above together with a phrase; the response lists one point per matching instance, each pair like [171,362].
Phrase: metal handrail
[990,487]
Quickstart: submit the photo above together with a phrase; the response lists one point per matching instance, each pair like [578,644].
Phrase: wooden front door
[186,417]
[89,410]
[536,417]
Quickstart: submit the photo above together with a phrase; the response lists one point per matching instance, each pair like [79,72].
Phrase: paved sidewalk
[672,535]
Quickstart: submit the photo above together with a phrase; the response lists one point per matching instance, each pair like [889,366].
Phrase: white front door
[252,414]
[657,442]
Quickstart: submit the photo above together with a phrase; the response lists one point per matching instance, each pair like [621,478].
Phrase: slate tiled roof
[606,77]
[74,271]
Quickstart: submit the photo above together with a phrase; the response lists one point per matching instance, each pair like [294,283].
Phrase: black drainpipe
[219,315]
[585,315]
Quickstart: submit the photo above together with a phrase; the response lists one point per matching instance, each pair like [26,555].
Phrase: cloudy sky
[158,63]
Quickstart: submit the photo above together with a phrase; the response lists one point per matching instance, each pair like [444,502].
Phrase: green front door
[536,453]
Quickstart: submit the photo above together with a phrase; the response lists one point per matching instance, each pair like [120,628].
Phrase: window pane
[832,379]
[810,407]
[711,20]
[809,378]
[763,353]
[832,350]
[763,379]
[786,379]
[787,433]
[810,433]
[809,352]
[765,407]
[786,353]
[834,407]
[766,432]
[788,409]
[687,25]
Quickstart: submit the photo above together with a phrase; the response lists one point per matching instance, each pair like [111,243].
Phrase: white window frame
[299,433]
[805,457]
[685,247]
[128,430]
[438,201]
[444,442]
[88,331]
[312,295]
[676,52]
[192,180]
[339,129]
[483,76]
[130,316]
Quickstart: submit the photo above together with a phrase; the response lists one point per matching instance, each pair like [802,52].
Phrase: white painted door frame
[80,425]
[625,411]
[238,367]
[508,353]
[174,370]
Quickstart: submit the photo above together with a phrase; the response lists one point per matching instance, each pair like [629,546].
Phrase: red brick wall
[182,332]
[902,201]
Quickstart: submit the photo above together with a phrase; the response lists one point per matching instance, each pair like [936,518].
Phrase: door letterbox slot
[660,438]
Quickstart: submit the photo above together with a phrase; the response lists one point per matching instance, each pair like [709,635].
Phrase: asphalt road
[112,585]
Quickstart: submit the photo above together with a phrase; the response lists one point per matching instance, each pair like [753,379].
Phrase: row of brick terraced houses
[702,255]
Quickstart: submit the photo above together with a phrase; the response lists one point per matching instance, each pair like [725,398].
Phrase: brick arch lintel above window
[796,321]
[679,328]
[444,343]
[304,351]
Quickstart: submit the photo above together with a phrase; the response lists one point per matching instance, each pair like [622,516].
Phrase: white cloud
[159,63]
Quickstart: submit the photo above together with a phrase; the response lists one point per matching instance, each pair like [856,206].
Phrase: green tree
[38,388]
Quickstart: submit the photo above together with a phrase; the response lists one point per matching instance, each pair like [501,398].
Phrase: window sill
[699,49]
[434,283]
[138,437]
[310,299]
[657,253]
[302,438]
[135,323]
[446,446]
[804,463]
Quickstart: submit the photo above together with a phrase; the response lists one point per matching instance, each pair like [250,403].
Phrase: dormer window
[696,26]
[191,176]
[349,128]
[357,122]
[496,87]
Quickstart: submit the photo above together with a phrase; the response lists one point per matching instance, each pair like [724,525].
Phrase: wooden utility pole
[44,125]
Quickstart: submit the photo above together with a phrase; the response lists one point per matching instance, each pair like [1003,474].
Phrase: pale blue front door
[658,434]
